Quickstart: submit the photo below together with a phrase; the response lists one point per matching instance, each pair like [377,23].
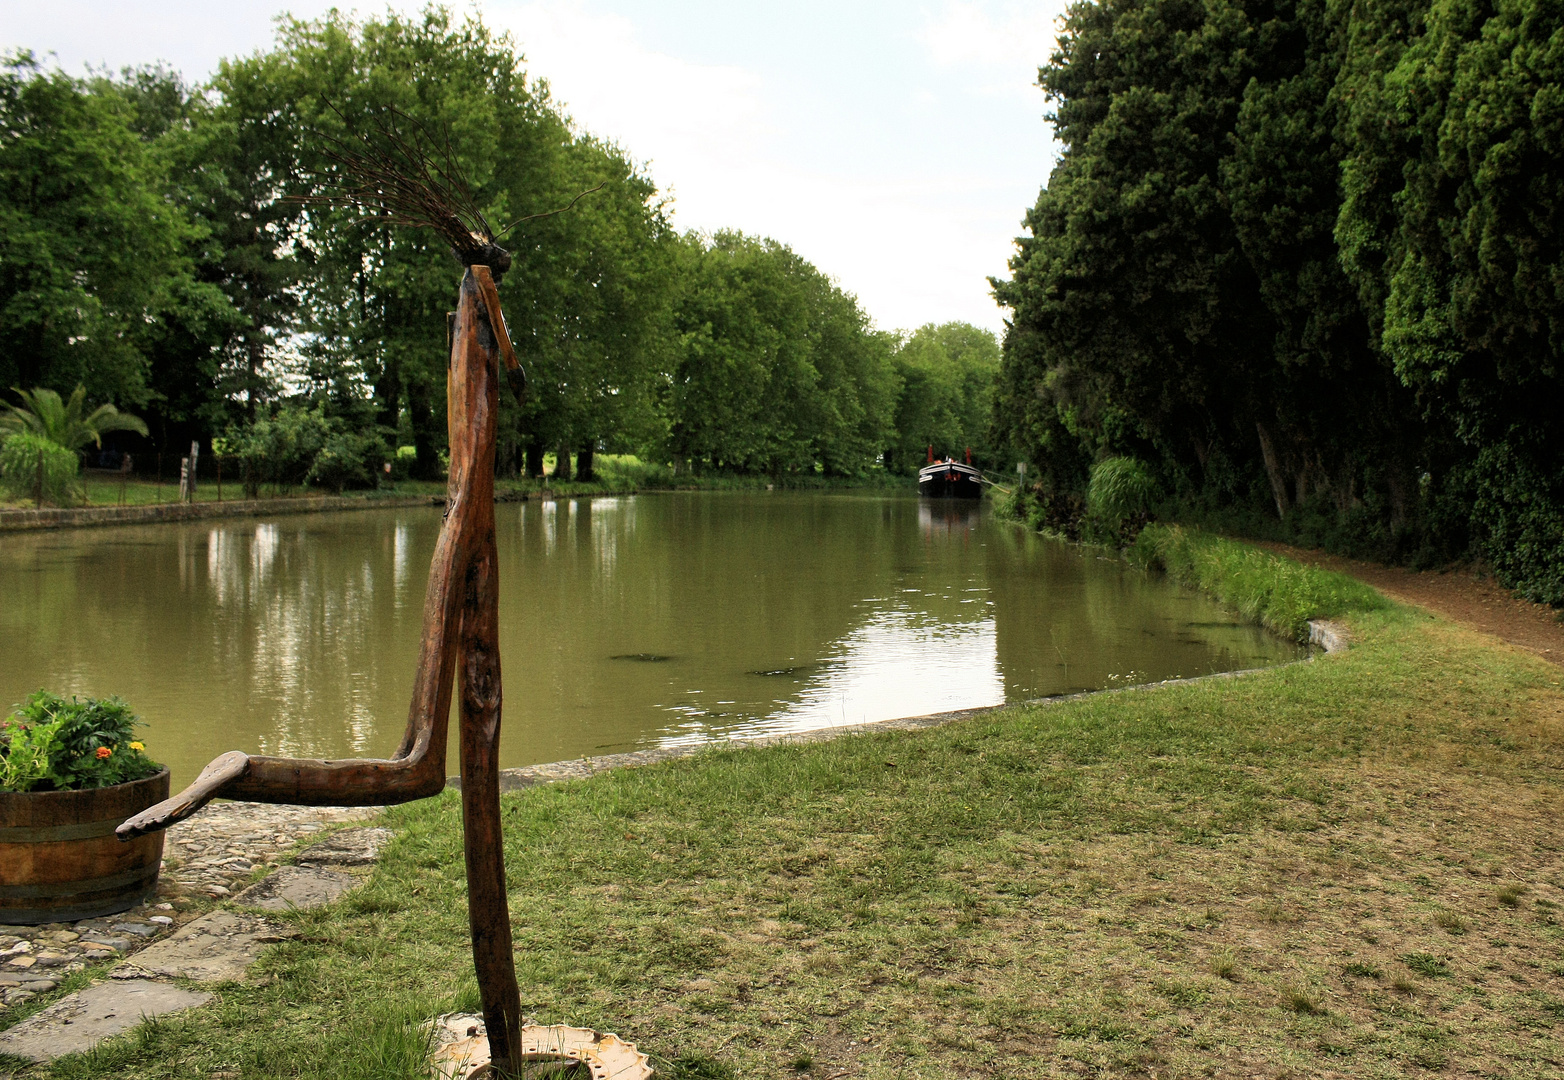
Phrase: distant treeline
[1303,258]
[165,245]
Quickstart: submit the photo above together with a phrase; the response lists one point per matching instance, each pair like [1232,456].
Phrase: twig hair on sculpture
[399,173]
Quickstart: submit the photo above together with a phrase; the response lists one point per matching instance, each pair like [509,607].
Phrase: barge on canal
[950,479]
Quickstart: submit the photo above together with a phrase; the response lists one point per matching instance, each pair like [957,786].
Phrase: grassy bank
[1345,867]
[1266,588]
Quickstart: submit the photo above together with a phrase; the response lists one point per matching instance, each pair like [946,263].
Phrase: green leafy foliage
[35,467]
[93,256]
[279,449]
[42,413]
[298,445]
[946,375]
[349,459]
[1293,257]
[51,744]
[778,370]
[1121,487]
[1282,594]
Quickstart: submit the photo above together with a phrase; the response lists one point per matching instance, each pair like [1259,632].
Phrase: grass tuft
[1301,1002]
[1426,964]
[1450,922]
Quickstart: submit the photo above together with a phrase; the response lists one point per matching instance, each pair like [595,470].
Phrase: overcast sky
[895,145]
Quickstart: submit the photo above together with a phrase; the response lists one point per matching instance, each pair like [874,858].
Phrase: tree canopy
[178,248]
[1301,256]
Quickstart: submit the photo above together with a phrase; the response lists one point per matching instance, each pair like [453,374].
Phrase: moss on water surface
[1344,867]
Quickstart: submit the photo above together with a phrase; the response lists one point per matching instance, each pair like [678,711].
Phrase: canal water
[625,623]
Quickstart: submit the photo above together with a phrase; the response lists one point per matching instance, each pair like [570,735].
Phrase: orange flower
[103,752]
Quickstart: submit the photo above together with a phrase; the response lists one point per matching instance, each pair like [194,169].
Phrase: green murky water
[625,623]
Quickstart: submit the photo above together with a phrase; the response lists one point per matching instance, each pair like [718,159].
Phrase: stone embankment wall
[22,520]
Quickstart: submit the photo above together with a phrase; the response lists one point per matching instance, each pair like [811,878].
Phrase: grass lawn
[1349,867]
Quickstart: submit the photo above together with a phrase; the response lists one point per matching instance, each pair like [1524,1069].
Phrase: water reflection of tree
[1071,618]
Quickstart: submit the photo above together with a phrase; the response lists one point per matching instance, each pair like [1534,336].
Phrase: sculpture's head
[484,252]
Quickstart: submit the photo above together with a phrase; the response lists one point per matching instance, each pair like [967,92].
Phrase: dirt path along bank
[1459,595]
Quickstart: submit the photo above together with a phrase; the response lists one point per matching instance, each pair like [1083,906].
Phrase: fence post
[39,492]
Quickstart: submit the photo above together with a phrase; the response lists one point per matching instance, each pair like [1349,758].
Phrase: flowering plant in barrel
[70,772]
[51,744]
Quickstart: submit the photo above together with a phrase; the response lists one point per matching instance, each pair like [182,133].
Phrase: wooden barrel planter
[60,860]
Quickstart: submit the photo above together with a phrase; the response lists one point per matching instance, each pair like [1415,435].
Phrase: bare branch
[563,209]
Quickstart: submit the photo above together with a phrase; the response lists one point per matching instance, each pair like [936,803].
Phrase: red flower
[103,752]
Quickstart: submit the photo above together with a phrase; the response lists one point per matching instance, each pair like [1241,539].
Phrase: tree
[93,254]
[1138,323]
[1305,253]
[1452,233]
[778,370]
[594,294]
[42,413]
[947,377]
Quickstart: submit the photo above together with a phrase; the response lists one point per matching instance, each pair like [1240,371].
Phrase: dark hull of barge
[950,480]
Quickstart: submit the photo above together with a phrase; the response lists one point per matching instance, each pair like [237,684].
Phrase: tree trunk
[535,459]
[388,397]
[1273,471]
[253,355]
[584,471]
[562,462]
[426,466]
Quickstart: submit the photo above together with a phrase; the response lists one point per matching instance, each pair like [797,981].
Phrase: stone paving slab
[350,847]
[81,1020]
[217,947]
[298,887]
[218,850]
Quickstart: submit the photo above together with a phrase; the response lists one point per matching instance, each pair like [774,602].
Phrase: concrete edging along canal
[90,516]
[1330,637]
[82,517]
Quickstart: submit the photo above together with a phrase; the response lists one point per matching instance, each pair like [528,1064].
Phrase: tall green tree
[1452,232]
[96,260]
[947,375]
[778,371]
[1303,253]
[594,292]
[1138,322]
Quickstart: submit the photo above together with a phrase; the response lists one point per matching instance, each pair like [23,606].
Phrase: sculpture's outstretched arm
[418,768]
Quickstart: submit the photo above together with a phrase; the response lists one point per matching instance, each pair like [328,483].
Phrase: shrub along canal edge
[1346,866]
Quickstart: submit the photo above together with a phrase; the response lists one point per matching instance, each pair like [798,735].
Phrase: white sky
[896,145]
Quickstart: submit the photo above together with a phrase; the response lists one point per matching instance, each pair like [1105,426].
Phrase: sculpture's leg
[487,908]
[474,389]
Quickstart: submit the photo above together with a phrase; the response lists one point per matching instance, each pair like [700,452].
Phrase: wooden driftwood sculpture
[461,620]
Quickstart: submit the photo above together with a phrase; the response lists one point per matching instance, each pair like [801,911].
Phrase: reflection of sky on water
[896,665]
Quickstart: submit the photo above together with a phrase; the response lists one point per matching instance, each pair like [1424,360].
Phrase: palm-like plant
[43,413]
